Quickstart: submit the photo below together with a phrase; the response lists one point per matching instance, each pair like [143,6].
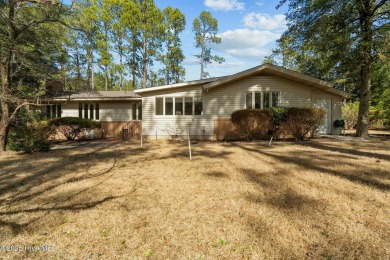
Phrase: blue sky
[249,30]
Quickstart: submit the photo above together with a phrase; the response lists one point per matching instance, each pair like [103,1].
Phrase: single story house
[202,107]
[114,109]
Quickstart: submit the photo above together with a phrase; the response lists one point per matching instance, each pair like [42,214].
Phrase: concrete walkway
[345,138]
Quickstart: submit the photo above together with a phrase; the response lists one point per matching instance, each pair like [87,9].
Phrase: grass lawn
[321,199]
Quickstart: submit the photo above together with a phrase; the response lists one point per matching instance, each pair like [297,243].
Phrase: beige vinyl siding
[200,126]
[70,109]
[223,100]
[108,111]
[115,111]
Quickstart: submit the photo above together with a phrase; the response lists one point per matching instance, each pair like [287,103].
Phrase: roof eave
[175,86]
[318,83]
[93,99]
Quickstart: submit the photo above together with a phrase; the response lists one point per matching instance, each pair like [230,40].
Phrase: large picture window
[89,110]
[261,100]
[53,111]
[178,106]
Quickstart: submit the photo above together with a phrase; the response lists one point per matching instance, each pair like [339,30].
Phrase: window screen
[275,99]
[257,100]
[266,100]
[178,106]
[159,106]
[168,106]
[249,100]
[198,106]
[188,106]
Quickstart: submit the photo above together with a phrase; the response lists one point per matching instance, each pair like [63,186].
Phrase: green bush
[304,122]
[278,119]
[380,112]
[350,113]
[73,127]
[30,137]
[252,122]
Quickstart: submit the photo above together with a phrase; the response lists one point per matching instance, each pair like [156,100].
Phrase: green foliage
[30,138]
[28,134]
[350,112]
[206,28]
[339,41]
[73,127]
[279,115]
[304,122]
[174,23]
[380,113]
[252,122]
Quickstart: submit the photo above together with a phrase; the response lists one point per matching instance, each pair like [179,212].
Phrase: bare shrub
[252,122]
[304,122]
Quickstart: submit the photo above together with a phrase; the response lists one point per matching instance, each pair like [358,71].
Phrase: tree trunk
[120,50]
[364,104]
[92,74]
[144,63]
[366,69]
[106,77]
[202,61]
[4,122]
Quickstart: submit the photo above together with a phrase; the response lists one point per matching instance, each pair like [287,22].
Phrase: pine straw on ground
[320,199]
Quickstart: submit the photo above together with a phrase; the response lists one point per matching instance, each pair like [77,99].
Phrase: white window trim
[174,106]
[262,98]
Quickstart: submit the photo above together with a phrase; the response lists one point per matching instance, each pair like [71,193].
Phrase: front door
[326,104]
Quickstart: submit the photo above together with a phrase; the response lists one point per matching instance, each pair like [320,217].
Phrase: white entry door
[326,104]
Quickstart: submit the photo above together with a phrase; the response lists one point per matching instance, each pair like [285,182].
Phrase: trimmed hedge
[298,122]
[304,121]
[252,122]
[73,127]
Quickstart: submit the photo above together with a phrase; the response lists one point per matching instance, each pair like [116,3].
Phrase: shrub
[350,113]
[30,137]
[278,119]
[73,127]
[304,122]
[252,122]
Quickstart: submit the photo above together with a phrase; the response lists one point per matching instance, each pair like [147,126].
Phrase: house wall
[224,100]
[220,102]
[200,126]
[336,103]
[113,115]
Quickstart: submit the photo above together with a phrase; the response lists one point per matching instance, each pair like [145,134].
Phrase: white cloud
[190,62]
[265,21]
[260,3]
[229,64]
[225,5]
[246,43]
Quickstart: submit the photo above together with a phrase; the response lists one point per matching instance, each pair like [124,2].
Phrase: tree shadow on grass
[36,190]
[335,148]
[326,164]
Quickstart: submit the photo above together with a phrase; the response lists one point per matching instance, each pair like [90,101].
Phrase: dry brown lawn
[323,199]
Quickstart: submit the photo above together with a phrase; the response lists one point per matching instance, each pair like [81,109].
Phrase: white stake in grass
[189,143]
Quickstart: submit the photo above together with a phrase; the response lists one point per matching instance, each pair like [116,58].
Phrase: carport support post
[189,142]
